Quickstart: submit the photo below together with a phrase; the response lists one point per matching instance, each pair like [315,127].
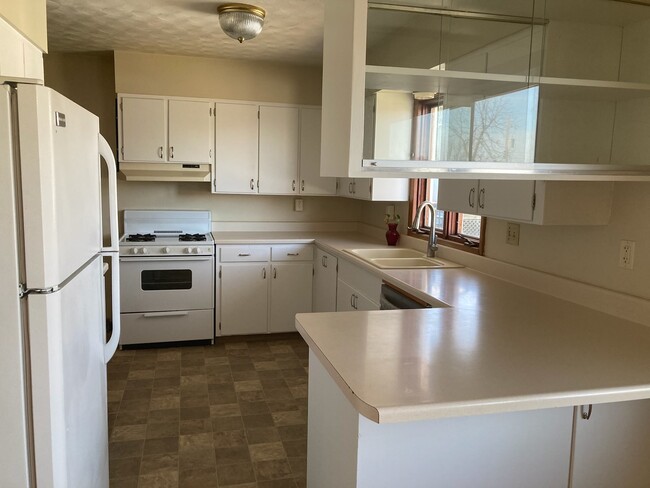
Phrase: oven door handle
[164,314]
[163,259]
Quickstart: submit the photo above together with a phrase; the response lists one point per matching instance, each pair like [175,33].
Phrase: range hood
[165,172]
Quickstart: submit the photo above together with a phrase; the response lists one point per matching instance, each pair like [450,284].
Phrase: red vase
[392,236]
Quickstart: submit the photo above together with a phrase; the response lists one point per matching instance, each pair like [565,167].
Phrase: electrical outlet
[298,205]
[626,255]
[512,235]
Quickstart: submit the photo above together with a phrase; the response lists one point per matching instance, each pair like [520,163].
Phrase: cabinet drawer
[232,254]
[151,327]
[360,280]
[292,252]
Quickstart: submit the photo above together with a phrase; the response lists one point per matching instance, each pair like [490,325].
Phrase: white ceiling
[293,29]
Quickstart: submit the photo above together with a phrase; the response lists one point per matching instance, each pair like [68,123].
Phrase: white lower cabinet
[244,298]
[357,289]
[263,287]
[290,294]
[324,285]
[612,445]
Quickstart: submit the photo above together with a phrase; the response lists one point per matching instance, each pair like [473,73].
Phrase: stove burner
[192,237]
[141,238]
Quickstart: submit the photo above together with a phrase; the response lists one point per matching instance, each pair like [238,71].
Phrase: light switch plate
[298,205]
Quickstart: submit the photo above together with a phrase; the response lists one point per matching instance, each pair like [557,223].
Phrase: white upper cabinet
[311,182]
[143,134]
[535,202]
[492,90]
[236,148]
[19,58]
[190,131]
[278,155]
[375,189]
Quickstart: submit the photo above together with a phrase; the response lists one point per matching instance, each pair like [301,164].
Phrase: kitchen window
[436,130]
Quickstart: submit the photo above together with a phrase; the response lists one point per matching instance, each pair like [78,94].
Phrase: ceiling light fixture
[241,21]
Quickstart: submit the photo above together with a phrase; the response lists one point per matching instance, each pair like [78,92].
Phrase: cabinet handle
[252,184]
[293,185]
[171,152]
[302,185]
[263,273]
[160,152]
[324,261]
[585,415]
[350,188]
[352,300]
[275,273]
[472,194]
[356,303]
[244,254]
[481,198]
[354,187]
[293,254]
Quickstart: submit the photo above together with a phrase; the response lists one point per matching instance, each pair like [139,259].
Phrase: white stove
[167,233]
[167,278]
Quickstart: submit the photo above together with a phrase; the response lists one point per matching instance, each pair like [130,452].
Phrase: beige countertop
[498,348]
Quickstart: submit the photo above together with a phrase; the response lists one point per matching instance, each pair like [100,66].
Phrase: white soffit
[293,29]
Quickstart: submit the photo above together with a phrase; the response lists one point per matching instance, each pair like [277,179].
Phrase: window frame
[448,236]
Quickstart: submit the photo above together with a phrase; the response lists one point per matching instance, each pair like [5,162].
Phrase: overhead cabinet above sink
[516,89]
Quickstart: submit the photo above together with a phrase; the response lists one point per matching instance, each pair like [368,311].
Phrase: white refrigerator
[53,347]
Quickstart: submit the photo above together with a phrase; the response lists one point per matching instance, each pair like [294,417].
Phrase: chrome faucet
[432,245]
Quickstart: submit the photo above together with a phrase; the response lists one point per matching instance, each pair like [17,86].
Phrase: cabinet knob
[586,415]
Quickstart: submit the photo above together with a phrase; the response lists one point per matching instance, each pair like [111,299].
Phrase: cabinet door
[362,188]
[506,199]
[346,187]
[344,297]
[144,129]
[325,277]
[388,190]
[236,148]
[458,196]
[611,448]
[363,303]
[244,298]
[290,294]
[190,124]
[311,182]
[278,150]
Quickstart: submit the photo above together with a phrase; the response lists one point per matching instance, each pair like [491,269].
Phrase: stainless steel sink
[400,258]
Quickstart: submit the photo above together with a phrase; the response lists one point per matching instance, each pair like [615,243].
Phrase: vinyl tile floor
[229,415]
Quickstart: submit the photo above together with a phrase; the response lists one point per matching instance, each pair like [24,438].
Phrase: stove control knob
[166,250]
[198,250]
[145,250]
[188,250]
[135,250]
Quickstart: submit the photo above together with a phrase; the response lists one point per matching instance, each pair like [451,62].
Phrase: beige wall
[89,80]
[189,76]
[28,16]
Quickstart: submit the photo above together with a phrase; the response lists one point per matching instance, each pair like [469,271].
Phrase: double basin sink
[400,258]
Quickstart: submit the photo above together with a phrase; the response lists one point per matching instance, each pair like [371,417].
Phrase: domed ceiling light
[241,21]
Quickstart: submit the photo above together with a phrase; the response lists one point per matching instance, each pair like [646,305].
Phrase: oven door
[166,283]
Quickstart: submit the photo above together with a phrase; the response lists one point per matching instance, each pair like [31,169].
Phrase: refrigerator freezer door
[14,464]
[69,382]
[60,169]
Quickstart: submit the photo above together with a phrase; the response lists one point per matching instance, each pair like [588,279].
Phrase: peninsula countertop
[499,347]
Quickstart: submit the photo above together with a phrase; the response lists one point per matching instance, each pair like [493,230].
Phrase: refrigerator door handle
[107,155]
[111,345]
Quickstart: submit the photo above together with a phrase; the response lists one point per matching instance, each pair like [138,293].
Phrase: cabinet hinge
[534,200]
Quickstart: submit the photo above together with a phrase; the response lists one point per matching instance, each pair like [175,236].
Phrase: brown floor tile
[293,432]
[126,449]
[166,479]
[225,410]
[124,468]
[129,432]
[124,482]
[197,459]
[131,418]
[163,429]
[279,394]
[195,442]
[273,469]
[220,424]
[164,445]
[282,405]
[248,385]
[257,421]
[297,448]
[221,398]
[158,463]
[140,405]
[263,435]
[163,416]
[285,483]
[229,438]
[295,417]
[165,402]
[231,455]
[198,426]
[270,374]
[245,375]
[298,466]
[268,451]
[251,396]
[254,408]
[198,478]
[235,474]
[195,413]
